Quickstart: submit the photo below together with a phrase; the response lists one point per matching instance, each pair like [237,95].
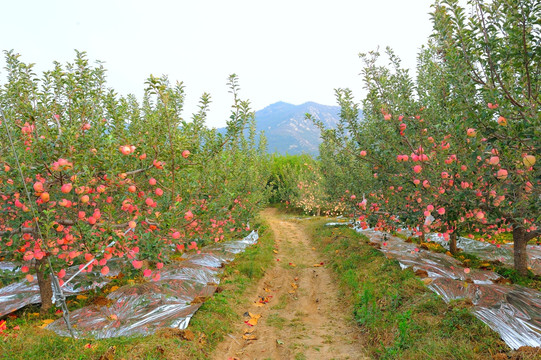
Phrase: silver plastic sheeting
[338,224]
[141,309]
[7,266]
[492,252]
[20,294]
[511,310]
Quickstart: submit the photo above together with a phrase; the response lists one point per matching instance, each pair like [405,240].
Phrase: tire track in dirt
[304,317]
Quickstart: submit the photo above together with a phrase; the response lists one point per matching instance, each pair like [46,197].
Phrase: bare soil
[296,311]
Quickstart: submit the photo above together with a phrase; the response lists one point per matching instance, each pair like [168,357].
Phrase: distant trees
[297,181]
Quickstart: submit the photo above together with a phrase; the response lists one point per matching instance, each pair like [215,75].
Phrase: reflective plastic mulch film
[511,310]
[19,294]
[492,252]
[170,302]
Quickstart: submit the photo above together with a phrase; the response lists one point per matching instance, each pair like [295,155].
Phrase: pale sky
[293,51]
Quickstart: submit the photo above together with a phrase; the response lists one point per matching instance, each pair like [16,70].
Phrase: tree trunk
[45,287]
[520,254]
[452,243]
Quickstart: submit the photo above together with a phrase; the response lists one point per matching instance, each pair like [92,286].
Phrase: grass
[276,321]
[398,316]
[282,302]
[209,325]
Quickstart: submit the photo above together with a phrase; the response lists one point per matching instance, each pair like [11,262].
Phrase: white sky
[293,51]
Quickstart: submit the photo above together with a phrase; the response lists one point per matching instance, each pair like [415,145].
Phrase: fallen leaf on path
[249,337]
[253,319]
[263,300]
[257,316]
[292,265]
[274,251]
[318,265]
[279,342]
[294,286]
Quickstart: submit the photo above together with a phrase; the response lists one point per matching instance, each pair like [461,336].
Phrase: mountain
[288,131]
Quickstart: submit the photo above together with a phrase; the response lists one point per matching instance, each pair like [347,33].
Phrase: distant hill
[287,130]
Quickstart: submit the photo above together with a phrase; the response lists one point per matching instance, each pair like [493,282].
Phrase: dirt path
[304,317]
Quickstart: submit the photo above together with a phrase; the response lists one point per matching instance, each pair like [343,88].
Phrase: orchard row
[87,174]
